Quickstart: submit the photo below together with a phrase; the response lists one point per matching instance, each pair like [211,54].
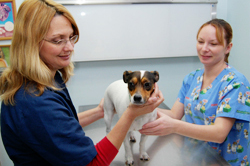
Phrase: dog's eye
[131,85]
[147,86]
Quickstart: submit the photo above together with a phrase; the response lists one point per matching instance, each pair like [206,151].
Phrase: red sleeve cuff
[106,150]
[106,153]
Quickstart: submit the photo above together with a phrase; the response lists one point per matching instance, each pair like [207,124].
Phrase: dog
[135,88]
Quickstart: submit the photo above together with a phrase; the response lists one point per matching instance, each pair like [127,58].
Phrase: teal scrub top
[227,96]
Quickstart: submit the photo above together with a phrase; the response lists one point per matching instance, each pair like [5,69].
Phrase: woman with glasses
[39,124]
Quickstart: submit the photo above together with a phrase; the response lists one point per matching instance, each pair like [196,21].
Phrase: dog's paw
[144,157]
[132,138]
[129,162]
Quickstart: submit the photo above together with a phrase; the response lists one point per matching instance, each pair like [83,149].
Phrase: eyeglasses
[63,42]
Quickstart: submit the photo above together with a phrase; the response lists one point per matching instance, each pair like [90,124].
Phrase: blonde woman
[39,124]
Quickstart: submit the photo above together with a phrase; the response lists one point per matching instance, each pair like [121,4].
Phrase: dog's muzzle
[137,99]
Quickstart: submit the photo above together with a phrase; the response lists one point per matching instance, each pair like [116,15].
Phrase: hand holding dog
[163,125]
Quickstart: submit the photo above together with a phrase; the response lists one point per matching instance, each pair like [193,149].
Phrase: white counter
[171,150]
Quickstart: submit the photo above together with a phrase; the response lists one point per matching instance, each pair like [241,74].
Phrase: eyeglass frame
[64,41]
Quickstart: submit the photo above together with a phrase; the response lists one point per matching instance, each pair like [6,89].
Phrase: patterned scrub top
[227,96]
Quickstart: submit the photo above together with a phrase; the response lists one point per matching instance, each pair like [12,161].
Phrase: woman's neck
[211,72]
[215,70]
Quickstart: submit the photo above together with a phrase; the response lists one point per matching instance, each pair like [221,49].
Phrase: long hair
[223,31]
[31,26]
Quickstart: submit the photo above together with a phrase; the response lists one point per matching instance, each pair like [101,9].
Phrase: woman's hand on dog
[163,125]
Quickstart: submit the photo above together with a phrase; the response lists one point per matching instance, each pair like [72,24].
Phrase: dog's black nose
[137,98]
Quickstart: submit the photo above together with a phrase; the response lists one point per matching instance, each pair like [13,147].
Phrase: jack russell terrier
[135,88]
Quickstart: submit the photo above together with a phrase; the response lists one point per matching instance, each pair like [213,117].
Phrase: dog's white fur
[117,98]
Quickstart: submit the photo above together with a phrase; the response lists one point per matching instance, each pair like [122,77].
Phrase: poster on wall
[7,18]
[4,56]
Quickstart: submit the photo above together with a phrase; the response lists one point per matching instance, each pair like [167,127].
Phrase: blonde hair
[223,32]
[31,25]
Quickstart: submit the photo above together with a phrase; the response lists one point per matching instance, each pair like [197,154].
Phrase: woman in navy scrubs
[39,124]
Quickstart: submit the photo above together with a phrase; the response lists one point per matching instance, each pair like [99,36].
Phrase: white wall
[91,78]
[238,16]
[222,6]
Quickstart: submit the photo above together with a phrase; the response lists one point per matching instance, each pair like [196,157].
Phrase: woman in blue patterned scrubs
[215,100]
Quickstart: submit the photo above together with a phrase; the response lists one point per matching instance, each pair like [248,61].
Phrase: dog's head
[140,85]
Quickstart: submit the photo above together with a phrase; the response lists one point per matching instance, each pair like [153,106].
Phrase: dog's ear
[156,75]
[126,76]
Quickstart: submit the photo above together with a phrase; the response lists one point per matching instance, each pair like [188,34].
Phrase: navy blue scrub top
[44,130]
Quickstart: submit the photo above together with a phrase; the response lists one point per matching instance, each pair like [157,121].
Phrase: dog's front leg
[143,154]
[128,150]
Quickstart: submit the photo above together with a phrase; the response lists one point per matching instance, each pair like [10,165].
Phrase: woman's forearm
[177,111]
[90,116]
[119,131]
[212,133]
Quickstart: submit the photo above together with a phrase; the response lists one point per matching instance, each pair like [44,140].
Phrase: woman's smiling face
[57,56]
[210,51]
